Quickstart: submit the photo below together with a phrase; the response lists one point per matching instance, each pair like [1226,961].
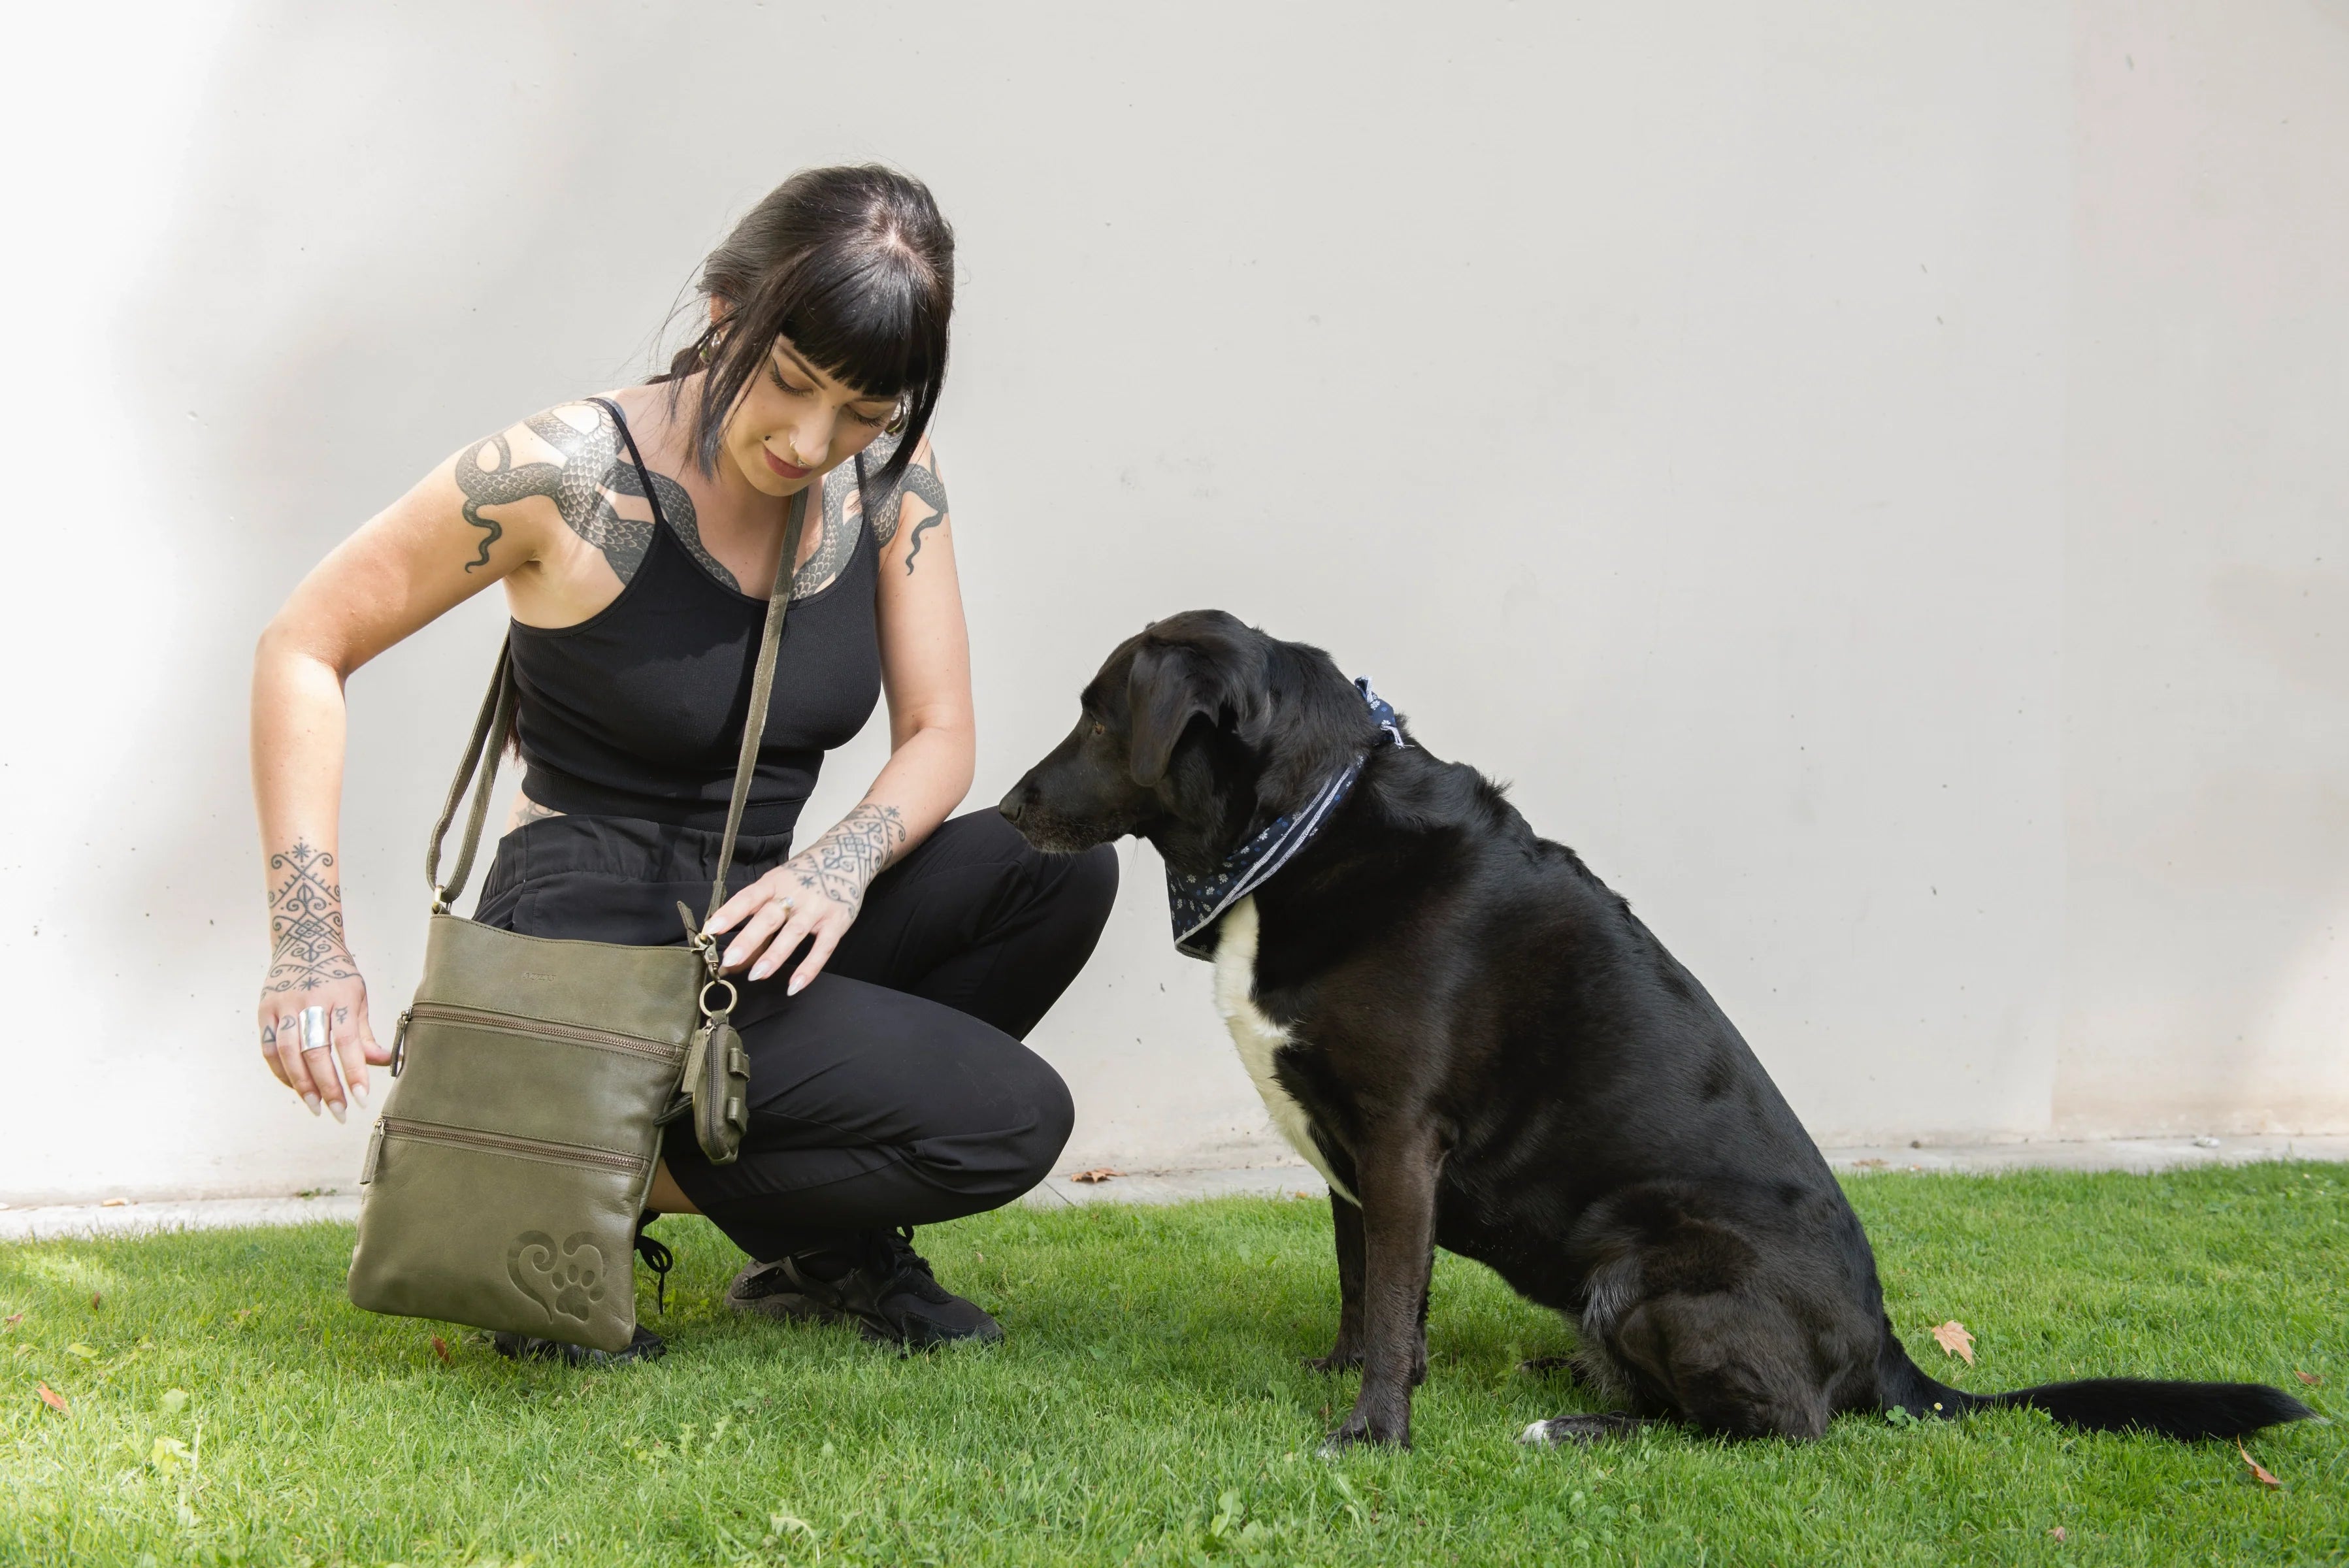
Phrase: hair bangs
[863,323]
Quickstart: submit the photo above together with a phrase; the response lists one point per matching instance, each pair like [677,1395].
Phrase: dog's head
[1193,729]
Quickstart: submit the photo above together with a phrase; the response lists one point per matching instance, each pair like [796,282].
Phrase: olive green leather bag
[531,1080]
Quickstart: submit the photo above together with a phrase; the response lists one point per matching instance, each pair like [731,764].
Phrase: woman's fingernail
[358,1093]
[313,1101]
[761,971]
[796,987]
[337,1107]
[733,957]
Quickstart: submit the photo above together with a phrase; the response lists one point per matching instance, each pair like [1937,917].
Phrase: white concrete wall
[1870,475]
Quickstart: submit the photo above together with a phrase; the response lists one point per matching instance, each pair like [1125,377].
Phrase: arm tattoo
[923,481]
[306,922]
[592,471]
[842,863]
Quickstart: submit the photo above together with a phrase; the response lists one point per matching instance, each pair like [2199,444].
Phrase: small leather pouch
[717,1081]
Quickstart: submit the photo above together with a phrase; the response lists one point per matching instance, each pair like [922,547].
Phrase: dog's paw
[1338,1443]
[1342,1358]
[1580,1428]
[1387,1431]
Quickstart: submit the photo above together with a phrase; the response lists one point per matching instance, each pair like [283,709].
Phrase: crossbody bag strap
[762,687]
[489,738]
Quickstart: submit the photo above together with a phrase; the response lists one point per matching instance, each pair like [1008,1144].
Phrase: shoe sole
[788,1306]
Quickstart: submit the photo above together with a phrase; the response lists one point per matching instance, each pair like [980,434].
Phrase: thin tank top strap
[644,474]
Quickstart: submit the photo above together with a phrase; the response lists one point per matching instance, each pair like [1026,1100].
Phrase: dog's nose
[1014,803]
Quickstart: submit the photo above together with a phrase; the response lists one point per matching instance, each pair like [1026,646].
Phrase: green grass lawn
[227,1405]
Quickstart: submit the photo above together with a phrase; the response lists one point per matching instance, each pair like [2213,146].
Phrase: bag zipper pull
[399,1041]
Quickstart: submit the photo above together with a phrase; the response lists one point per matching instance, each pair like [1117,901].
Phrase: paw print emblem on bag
[568,1280]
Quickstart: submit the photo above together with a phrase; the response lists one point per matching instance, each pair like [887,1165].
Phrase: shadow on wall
[340,229]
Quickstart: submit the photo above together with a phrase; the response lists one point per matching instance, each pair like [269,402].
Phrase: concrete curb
[1293,1181]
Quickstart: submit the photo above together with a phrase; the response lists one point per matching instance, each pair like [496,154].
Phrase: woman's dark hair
[855,266]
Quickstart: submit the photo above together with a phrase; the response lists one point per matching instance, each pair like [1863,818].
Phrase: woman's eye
[862,417]
[786,388]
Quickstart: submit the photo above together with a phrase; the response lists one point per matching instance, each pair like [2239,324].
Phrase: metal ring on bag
[732,995]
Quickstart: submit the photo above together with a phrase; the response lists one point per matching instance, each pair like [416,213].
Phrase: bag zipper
[508,1143]
[508,1024]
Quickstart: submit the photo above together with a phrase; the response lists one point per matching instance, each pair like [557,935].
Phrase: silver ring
[314,1028]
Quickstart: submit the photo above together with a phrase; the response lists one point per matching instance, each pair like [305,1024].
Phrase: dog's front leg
[1346,1226]
[1395,1175]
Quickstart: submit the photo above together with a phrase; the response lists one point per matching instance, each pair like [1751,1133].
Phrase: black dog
[1482,1048]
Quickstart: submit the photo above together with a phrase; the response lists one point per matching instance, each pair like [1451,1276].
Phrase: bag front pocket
[537,1078]
[500,1231]
[529,1029]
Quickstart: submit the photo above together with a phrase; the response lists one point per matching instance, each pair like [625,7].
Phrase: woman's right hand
[326,979]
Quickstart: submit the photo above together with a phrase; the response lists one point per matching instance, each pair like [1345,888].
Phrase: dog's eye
[1100,728]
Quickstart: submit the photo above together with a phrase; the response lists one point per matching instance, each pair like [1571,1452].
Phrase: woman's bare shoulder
[571,459]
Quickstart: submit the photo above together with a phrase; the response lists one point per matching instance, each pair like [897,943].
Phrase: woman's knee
[1052,1117]
[1093,880]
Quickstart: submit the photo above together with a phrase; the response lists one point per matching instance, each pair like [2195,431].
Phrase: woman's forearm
[926,778]
[298,718]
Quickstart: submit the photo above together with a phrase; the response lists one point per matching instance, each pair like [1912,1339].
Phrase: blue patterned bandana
[1198,901]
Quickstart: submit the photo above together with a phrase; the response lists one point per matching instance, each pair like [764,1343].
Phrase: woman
[890,968]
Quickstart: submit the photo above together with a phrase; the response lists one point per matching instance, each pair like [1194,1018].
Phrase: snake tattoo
[924,483]
[581,487]
[593,471]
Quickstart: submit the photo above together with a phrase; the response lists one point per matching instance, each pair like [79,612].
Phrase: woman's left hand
[812,897]
[789,905]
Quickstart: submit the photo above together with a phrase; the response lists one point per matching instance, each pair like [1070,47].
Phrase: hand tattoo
[842,863]
[306,922]
[594,469]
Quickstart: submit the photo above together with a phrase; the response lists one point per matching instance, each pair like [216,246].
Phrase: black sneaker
[882,1286]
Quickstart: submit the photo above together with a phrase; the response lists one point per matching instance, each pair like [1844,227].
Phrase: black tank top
[638,711]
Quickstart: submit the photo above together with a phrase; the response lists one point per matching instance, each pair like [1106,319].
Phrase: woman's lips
[783,468]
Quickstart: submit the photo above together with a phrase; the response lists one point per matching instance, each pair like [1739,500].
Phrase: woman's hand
[311,972]
[337,1032]
[812,897]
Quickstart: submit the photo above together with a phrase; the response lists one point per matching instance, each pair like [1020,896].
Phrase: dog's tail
[2186,1411]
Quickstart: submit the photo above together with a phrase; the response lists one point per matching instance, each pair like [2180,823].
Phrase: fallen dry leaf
[2311,1379]
[2056,1534]
[441,1347]
[1953,1339]
[1101,1173]
[2259,1472]
[14,1318]
[54,1400]
[94,1299]
[1869,1164]
[114,1202]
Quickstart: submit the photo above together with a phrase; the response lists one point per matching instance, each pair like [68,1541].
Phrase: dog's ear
[1207,665]
[1168,686]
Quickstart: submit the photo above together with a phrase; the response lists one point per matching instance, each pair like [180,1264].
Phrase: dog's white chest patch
[1258,1038]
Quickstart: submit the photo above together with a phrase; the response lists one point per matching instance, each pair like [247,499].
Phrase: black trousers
[894,1091]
